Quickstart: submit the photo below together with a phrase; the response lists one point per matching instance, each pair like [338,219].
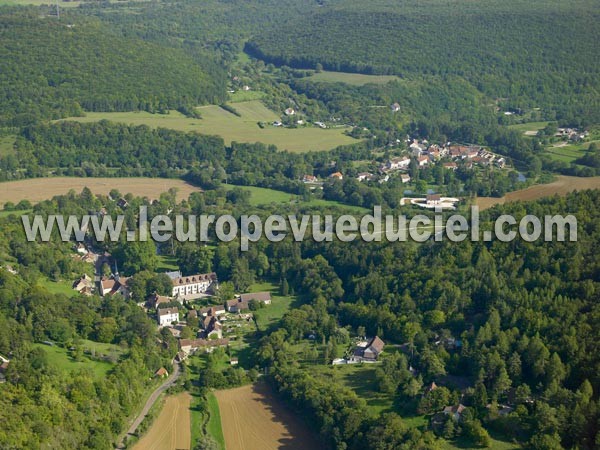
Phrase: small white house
[167,316]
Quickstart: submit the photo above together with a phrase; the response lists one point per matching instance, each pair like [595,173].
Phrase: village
[423,155]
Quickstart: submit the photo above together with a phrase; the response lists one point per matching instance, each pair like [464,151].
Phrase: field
[568,153]
[58,287]
[61,360]
[215,120]
[214,427]
[245,96]
[39,189]
[265,196]
[355,79]
[562,186]
[271,314]
[172,429]
[253,418]
[529,128]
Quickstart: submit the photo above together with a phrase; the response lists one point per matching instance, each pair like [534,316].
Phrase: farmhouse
[243,301]
[336,176]
[423,161]
[155,300]
[161,373]
[405,178]
[290,112]
[395,107]
[454,411]
[434,199]
[362,176]
[212,311]
[212,327]
[84,285]
[114,285]
[397,163]
[450,165]
[167,316]
[195,285]
[309,179]
[369,352]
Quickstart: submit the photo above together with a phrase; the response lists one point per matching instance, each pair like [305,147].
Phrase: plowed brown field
[562,186]
[253,419]
[172,428]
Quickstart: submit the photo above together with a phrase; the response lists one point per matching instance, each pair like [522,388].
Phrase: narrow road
[150,402]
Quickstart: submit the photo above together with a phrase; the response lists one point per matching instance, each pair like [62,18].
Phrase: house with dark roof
[243,301]
[369,352]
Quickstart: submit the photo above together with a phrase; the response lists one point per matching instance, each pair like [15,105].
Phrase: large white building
[194,284]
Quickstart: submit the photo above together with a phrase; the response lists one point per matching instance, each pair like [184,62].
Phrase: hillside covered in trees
[532,54]
[51,69]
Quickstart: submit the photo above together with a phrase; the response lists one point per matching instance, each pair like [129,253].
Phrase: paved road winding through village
[151,400]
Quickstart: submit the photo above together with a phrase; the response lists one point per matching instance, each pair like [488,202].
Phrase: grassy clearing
[271,314]
[496,444]
[214,427]
[355,79]
[7,144]
[58,287]
[215,120]
[264,196]
[61,360]
[528,126]
[167,263]
[245,96]
[361,379]
[568,153]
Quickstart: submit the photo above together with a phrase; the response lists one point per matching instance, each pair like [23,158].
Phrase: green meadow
[355,79]
[217,121]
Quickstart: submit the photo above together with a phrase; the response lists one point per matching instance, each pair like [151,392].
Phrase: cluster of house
[210,319]
[424,155]
[572,134]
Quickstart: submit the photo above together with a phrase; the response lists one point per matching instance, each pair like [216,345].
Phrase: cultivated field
[216,120]
[253,419]
[39,189]
[562,186]
[355,79]
[172,428]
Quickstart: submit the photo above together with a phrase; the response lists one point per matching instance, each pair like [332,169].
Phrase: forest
[522,54]
[51,69]
[526,315]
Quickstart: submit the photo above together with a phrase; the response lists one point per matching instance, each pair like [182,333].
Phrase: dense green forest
[51,69]
[531,54]
[526,315]
[43,405]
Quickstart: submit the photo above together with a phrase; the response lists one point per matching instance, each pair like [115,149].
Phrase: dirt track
[39,189]
[171,430]
[253,419]
[562,186]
